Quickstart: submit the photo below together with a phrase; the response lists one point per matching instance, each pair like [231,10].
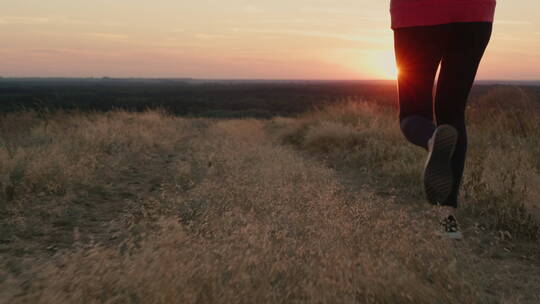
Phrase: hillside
[323,207]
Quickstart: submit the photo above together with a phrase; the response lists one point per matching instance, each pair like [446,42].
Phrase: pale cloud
[286,21]
[63,20]
[23,20]
[211,36]
[505,51]
[55,20]
[48,51]
[252,9]
[360,15]
[350,37]
[108,36]
[305,22]
[513,22]
[511,38]
[113,24]
[41,52]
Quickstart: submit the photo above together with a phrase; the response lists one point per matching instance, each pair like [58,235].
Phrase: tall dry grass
[223,211]
[53,155]
[502,179]
[59,173]
[252,221]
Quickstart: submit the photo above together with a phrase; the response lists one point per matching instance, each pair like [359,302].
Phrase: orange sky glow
[235,39]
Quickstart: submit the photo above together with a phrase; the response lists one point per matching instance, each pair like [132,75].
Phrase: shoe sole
[438,177]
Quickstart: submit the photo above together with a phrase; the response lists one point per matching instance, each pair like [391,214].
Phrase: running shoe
[438,177]
[450,228]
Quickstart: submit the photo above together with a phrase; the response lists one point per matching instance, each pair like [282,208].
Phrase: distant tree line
[195,98]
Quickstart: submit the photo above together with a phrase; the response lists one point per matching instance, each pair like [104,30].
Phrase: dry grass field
[123,207]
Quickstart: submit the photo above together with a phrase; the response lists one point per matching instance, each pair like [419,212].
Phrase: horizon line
[236,79]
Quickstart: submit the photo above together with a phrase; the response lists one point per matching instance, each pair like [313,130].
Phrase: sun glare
[386,65]
[373,64]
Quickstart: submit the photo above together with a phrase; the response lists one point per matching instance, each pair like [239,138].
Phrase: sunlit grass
[150,208]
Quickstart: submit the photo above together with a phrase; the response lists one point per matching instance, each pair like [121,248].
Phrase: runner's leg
[465,48]
[418,54]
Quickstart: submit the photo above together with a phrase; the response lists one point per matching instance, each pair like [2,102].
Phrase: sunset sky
[278,39]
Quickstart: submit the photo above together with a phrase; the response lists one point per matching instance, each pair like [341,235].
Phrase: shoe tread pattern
[438,177]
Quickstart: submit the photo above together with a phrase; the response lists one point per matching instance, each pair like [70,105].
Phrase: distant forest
[187,97]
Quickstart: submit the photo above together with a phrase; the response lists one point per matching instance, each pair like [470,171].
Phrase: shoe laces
[450,224]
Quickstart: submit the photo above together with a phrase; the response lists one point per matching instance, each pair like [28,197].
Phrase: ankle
[445,211]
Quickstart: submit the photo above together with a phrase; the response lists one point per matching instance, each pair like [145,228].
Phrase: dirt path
[507,269]
[254,218]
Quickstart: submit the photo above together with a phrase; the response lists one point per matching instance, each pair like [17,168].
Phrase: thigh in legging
[466,45]
[418,54]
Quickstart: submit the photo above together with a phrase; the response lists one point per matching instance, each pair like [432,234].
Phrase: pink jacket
[406,13]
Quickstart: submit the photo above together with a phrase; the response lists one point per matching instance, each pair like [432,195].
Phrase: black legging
[458,48]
